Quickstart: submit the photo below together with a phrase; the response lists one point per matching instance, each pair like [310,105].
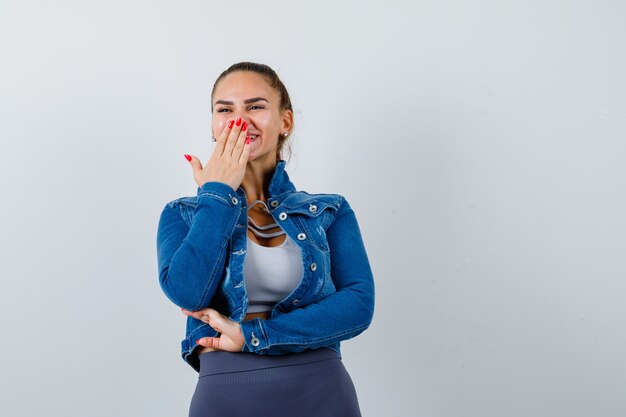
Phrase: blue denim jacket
[201,247]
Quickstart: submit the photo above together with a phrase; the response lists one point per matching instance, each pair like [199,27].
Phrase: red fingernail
[244,127]
[188,157]
[230,124]
[238,121]
[247,141]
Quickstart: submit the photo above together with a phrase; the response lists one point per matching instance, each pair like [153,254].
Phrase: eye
[220,110]
[253,106]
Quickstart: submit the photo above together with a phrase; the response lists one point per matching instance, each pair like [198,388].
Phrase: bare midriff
[263,315]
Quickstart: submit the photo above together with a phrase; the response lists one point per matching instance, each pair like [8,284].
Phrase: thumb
[194,162]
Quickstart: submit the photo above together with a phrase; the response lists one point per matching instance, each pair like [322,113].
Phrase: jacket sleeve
[339,316]
[191,258]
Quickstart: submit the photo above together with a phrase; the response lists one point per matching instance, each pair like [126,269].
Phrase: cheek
[264,121]
[218,125]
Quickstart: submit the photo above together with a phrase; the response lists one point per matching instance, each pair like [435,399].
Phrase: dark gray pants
[313,383]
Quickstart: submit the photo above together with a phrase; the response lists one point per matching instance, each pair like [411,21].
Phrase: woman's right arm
[191,259]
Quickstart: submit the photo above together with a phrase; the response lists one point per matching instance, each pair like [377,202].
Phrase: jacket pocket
[312,216]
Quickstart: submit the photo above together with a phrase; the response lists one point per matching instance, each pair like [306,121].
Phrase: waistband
[220,362]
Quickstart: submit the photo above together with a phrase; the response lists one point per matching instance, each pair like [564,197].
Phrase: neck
[257,179]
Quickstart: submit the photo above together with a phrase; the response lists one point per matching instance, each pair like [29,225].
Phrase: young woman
[269,344]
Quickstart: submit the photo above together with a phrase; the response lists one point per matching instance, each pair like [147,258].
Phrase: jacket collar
[280,182]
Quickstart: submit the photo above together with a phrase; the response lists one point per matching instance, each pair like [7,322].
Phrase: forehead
[241,85]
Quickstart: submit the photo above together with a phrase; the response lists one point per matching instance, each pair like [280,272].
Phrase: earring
[213,139]
[285,134]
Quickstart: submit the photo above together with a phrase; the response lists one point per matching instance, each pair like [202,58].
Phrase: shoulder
[191,201]
[179,210]
[291,200]
[315,202]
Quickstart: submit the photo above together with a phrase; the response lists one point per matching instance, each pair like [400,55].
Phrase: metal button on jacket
[301,236]
[274,203]
[282,216]
[234,200]
[313,266]
[312,208]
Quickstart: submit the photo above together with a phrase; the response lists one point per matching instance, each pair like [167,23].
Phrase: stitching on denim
[320,286]
[323,218]
[306,342]
[317,198]
[342,200]
[310,235]
[263,331]
[219,197]
[184,213]
[326,270]
[325,276]
[197,329]
[305,211]
[327,218]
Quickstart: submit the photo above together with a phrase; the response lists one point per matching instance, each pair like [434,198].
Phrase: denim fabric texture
[201,248]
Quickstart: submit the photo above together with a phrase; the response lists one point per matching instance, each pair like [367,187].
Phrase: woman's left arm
[339,316]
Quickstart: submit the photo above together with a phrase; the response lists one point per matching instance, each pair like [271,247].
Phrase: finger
[211,342]
[221,140]
[199,315]
[194,314]
[216,320]
[241,141]
[232,137]
[195,163]
[245,154]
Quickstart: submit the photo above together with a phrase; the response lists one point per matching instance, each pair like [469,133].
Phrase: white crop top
[271,273]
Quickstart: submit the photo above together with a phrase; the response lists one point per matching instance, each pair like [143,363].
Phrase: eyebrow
[247,101]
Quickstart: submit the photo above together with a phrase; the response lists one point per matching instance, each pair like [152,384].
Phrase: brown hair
[275,82]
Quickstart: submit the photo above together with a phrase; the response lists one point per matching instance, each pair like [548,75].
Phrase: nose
[240,113]
[244,119]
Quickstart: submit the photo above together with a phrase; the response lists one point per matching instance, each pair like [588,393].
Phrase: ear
[287,120]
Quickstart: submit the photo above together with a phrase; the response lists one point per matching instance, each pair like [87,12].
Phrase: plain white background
[480,143]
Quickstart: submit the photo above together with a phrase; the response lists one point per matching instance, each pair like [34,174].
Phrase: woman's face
[247,95]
